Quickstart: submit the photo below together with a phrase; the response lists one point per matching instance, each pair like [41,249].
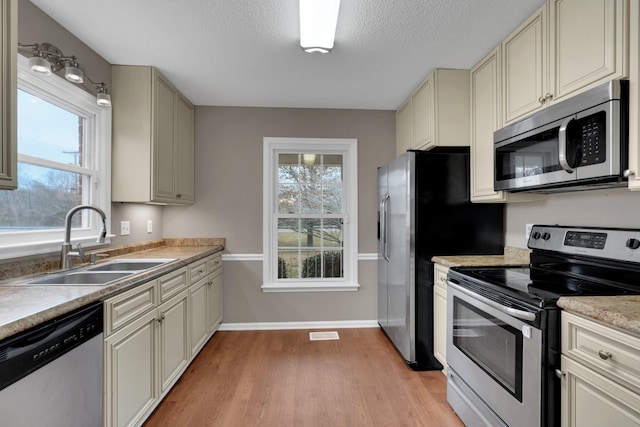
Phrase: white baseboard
[267,326]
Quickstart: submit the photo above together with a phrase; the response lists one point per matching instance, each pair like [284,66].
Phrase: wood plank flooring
[280,378]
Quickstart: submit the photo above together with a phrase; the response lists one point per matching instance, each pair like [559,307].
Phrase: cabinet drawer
[129,305]
[197,270]
[172,283]
[214,263]
[440,276]
[611,352]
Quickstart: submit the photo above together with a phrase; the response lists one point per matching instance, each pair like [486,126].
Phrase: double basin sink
[100,275]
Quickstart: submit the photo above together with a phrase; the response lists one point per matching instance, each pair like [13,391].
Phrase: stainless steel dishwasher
[52,373]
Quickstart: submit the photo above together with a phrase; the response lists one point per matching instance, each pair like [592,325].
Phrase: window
[310,213]
[63,160]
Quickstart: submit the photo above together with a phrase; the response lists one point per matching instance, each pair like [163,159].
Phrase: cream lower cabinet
[440,314]
[150,334]
[600,375]
[205,298]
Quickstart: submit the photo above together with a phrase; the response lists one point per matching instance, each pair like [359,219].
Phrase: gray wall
[34,26]
[229,203]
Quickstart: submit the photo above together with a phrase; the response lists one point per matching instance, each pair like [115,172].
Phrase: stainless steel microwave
[577,144]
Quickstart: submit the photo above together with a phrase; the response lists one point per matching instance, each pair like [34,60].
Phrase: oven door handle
[518,314]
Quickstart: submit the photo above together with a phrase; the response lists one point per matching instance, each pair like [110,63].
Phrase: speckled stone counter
[620,311]
[511,256]
[23,306]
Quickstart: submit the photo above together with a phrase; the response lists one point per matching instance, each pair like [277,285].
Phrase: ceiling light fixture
[318,20]
[48,59]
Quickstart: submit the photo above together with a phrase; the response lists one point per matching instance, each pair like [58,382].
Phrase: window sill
[310,287]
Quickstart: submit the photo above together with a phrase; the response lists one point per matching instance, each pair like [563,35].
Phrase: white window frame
[59,91]
[348,148]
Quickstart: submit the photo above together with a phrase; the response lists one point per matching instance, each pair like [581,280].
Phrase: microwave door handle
[562,145]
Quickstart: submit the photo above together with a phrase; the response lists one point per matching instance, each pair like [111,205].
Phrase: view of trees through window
[50,163]
[310,217]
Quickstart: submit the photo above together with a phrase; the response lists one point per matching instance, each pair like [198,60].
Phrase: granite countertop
[620,311]
[511,256]
[24,306]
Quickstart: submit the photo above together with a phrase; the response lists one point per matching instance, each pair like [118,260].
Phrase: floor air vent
[323,336]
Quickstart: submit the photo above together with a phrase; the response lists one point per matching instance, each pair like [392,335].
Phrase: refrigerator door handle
[385,235]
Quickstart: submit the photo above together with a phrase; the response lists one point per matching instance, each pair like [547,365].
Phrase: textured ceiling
[247,53]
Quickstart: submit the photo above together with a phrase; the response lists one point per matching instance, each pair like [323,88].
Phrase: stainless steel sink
[130,264]
[89,278]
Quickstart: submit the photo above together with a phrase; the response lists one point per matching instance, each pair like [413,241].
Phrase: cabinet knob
[560,374]
[178,195]
[604,355]
[541,99]
[548,96]
[628,172]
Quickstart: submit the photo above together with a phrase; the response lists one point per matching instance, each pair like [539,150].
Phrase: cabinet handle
[560,374]
[604,355]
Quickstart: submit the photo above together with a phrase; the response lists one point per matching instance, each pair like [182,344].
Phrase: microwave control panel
[591,139]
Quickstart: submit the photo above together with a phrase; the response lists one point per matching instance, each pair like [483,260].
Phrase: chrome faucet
[65,260]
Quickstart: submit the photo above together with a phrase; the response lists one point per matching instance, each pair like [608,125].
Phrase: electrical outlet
[528,231]
[125,228]
[149,226]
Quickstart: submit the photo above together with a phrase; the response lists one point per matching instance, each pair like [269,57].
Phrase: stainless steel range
[503,331]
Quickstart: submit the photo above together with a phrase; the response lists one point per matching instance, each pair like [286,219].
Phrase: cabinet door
[164,150]
[173,339]
[185,152]
[199,300]
[485,119]
[524,73]
[130,372]
[440,315]
[404,128]
[588,44]
[9,92]
[423,111]
[591,400]
[215,302]
[634,96]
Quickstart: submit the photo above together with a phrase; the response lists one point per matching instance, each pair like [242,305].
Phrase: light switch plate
[125,228]
[149,226]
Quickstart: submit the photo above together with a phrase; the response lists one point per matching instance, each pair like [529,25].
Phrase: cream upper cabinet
[441,110]
[404,128]
[423,110]
[8,94]
[153,142]
[600,374]
[588,44]
[566,47]
[634,96]
[436,114]
[486,119]
[524,73]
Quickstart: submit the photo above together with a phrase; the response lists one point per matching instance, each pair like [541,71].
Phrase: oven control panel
[612,243]
[585,239]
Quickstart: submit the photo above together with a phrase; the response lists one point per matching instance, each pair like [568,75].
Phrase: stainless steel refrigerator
[424,210]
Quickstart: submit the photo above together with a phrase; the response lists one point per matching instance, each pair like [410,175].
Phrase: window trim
[57,90]
[349,149]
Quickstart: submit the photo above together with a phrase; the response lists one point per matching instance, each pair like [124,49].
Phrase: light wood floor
[280,378]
